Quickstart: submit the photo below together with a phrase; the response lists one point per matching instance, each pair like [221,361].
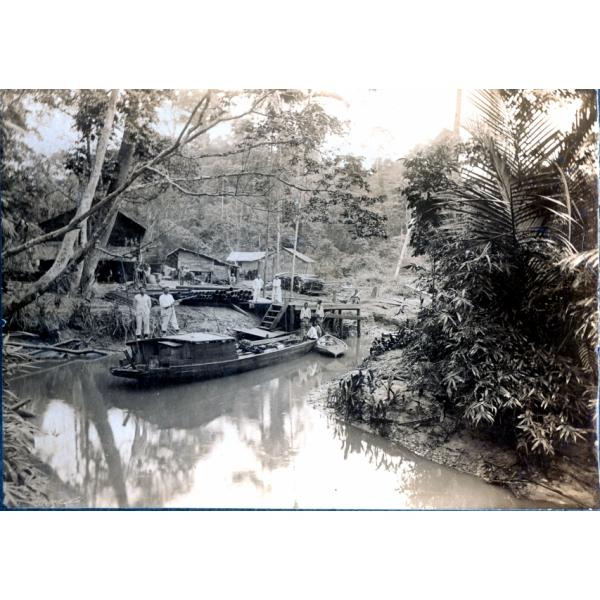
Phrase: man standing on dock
[277,290]
[167,311]
[305,316]
[257,286]
[319,313]
[142,305]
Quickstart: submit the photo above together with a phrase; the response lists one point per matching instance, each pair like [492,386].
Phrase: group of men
[311,325]
[142,305]
[258,285]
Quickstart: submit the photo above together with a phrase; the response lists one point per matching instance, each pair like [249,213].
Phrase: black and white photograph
[345,298]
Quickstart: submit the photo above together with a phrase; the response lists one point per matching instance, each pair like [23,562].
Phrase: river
[247,441]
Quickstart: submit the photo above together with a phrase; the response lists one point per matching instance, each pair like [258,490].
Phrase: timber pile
[215,297]
[120,297]
[211,296]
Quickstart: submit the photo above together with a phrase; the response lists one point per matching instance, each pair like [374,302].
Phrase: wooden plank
[262,333]
[270,340]
[241,311]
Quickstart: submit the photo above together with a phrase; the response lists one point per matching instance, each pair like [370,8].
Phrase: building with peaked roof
[122,251]
[202,265]
[248,263]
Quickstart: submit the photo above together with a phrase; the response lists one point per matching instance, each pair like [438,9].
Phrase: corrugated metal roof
[245,256]
[299,255]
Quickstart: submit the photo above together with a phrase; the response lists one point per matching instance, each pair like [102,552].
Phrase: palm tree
[515,311]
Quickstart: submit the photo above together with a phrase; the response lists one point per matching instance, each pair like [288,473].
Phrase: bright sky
[385,123]
[390,122]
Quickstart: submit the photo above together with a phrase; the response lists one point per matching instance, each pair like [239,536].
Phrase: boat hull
[328,352]
[336,349]
[213,369]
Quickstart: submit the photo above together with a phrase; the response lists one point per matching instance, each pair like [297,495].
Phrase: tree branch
[181,140]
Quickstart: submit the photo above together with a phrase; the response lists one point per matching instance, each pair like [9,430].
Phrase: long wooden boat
[202,356]
[331,346]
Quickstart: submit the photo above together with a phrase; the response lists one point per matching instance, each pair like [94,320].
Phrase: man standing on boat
[277,290]
[167,311]
[305,317]
[142,305]
[257,286]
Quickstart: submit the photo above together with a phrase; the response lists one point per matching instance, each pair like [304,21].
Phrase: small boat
[331,346]
[203,356]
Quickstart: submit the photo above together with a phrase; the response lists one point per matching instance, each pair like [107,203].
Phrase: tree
[501,345]
[207,110]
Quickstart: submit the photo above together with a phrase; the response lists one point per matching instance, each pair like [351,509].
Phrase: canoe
[193,356]
[331,346]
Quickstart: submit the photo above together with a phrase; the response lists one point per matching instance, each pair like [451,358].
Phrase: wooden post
[358,322]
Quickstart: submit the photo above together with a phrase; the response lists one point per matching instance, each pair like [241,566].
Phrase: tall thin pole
[294,255]
[457,112]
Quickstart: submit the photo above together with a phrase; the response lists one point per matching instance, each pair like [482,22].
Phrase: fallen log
[58,349]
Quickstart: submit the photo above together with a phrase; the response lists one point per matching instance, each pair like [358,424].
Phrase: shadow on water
[249,440]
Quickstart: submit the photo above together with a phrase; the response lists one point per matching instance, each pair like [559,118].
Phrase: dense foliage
[214,170]
[508,339]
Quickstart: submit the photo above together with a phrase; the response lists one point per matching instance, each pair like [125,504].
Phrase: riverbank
[416,423]
[108,325]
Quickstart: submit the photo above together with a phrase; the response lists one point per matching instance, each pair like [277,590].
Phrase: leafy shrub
[508,340]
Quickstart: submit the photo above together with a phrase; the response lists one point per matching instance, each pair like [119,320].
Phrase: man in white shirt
[319,313]
[312,333]
[257,286]
[142,305]
[167,311]
[305,316]
[277,290]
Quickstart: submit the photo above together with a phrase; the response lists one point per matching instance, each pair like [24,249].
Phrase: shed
[213,269]
[127,230]
[304,265]
[125,237]
[249,263]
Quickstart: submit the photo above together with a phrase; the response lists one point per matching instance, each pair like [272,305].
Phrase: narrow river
[247,441]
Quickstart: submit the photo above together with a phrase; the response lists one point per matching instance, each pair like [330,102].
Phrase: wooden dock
[335,313]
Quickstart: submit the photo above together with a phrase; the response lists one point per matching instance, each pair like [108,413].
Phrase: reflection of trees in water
[158,464]
[421,483]
[275,408]
[98,472]
[354,440]
[153,457]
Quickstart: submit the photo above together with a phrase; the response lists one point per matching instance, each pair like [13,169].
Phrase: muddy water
[247,441]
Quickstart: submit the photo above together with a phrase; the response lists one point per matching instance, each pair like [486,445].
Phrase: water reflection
[250,440]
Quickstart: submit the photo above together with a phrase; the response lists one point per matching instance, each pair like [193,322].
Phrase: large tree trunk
[67,247]
[125,159]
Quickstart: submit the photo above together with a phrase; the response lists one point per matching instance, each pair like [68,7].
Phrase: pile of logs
[189,296]
[214,297]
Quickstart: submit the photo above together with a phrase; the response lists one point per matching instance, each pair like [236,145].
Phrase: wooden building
[122,251]
[209,268]
[248,263]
